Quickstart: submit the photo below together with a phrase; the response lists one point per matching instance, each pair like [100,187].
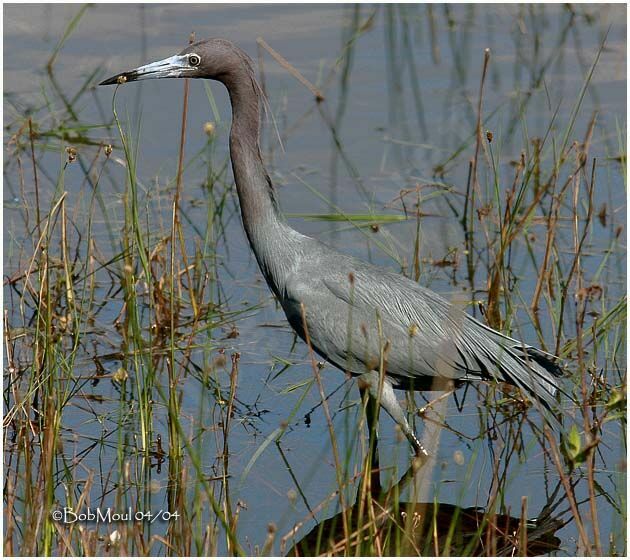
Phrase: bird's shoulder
[335,278]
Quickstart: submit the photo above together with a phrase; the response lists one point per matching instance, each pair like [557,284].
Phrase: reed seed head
[209,128]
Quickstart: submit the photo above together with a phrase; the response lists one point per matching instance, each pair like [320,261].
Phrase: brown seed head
[120,375]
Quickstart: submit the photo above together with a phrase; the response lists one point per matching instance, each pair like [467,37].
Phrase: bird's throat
[255,191]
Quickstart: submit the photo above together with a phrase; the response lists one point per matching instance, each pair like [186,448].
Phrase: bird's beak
[173,67]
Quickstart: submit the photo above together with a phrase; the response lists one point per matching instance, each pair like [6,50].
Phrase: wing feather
[353,308]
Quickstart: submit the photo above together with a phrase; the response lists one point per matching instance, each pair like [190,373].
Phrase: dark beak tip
[118,79]
[109,81]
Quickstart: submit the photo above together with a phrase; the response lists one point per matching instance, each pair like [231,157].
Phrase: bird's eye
[194,60]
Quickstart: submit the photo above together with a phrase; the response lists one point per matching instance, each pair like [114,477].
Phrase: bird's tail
[538,374]
[535,372]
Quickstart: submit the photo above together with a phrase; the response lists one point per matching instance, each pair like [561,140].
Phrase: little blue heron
[362,318]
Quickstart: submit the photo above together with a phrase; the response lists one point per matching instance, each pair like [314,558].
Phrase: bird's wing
[355,313]
[424,330]
[354,323]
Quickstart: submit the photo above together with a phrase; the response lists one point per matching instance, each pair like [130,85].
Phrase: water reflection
[436,529]
[379,523]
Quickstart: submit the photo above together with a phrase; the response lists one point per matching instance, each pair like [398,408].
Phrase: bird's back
[357,313]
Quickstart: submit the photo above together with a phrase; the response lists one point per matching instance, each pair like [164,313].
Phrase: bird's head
[211,58]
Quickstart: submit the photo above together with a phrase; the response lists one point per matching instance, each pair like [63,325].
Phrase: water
[408,103]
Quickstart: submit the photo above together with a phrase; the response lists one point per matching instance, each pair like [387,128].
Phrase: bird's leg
[391,405]
[371,413]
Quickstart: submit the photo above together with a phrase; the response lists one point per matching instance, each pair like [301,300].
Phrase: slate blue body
[355,313]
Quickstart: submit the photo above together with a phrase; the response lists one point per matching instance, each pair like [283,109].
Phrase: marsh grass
[167,304]
[124,294]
